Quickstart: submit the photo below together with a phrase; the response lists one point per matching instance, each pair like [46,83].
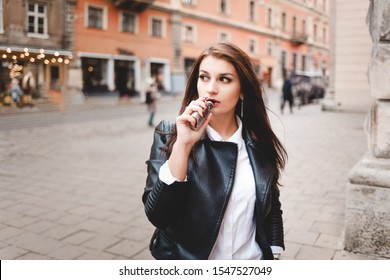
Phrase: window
[189,2]
[269,17]
[1,17]
[269,48]
[284,21]
[223,6]
[283,60]
[95,17]
[303,62]
[294,62]
[252,11]
[157,27]
[304,26]
[252,46]
[37,19]
[315,32]
[324,35]
[189,33]
[294,24]
[129,22]
[224,37]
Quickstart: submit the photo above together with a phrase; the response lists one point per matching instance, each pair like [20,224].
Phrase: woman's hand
[185,135]
[186,138]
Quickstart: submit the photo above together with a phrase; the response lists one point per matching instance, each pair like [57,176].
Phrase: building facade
[36,37]
[120,44]
[350,51]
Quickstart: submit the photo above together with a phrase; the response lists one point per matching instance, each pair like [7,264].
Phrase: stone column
[368,191]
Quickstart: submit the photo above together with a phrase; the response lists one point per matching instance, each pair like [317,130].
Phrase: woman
[212,193]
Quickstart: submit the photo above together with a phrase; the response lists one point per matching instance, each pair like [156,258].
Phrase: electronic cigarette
[199,118]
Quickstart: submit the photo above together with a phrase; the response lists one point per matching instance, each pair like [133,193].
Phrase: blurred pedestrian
[150,100]
[16,92]
[212,192]
[287,95]
[28,83]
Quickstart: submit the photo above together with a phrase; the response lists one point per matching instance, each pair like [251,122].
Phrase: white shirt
[236,237]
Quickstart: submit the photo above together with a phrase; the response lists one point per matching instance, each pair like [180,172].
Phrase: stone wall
[368,192]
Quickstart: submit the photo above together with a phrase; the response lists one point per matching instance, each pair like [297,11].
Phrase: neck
[225,126]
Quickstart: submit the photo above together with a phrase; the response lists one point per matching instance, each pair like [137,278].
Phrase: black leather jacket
[188,214]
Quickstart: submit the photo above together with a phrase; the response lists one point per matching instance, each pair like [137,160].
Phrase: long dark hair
[255,119]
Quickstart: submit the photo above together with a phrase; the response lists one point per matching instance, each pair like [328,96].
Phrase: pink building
[122,43]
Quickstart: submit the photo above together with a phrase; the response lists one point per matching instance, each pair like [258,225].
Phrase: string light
[26,55]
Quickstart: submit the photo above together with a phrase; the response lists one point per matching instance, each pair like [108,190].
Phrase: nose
[212,87]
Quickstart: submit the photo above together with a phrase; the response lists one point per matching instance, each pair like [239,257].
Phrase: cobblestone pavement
[71,182]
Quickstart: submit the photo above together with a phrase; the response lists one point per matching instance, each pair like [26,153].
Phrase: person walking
[150,100]
[16,92]
[212,192]
[287,95]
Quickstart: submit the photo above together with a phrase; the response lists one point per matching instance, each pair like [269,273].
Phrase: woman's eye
[225,80]
[203,77]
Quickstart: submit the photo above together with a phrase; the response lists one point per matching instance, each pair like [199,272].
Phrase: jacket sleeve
[274,219]
[162,202]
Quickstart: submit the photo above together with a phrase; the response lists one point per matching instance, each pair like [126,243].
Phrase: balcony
[135,5]
[298,38]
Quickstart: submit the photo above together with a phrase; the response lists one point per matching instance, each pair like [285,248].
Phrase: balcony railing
[298,38]
[135,5]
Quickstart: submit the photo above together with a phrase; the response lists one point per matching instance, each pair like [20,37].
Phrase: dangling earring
[242,107]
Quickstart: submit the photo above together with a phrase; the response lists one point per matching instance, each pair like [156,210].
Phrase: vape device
[199,118]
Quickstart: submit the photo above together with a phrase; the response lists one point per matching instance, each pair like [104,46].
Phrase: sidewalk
[72,190]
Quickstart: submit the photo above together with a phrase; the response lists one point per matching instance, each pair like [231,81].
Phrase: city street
[71,181]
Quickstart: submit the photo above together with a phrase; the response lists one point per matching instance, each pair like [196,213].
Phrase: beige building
[350,55]
[36,37]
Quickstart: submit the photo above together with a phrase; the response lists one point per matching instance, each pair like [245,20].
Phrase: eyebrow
[221,74]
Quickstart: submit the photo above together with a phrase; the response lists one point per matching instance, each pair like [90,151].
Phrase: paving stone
[126,248]
[33,256]
[102,227]
[40,226]
[9,232]
[102,242]
[328,228]
[90,254]
[302,237]
[315,253]
[137,234]
[329,241]
[11,252]
[60,232]
[79,237]
[35,243]
[68,252]
[143,255]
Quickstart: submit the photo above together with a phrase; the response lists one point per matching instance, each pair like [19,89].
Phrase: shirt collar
[235,138]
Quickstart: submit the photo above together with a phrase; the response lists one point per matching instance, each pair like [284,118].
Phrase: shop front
[105,74]
[35,71]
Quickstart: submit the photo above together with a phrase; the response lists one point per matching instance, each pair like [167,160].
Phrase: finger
[186,119]
[194,107]
[198,102]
